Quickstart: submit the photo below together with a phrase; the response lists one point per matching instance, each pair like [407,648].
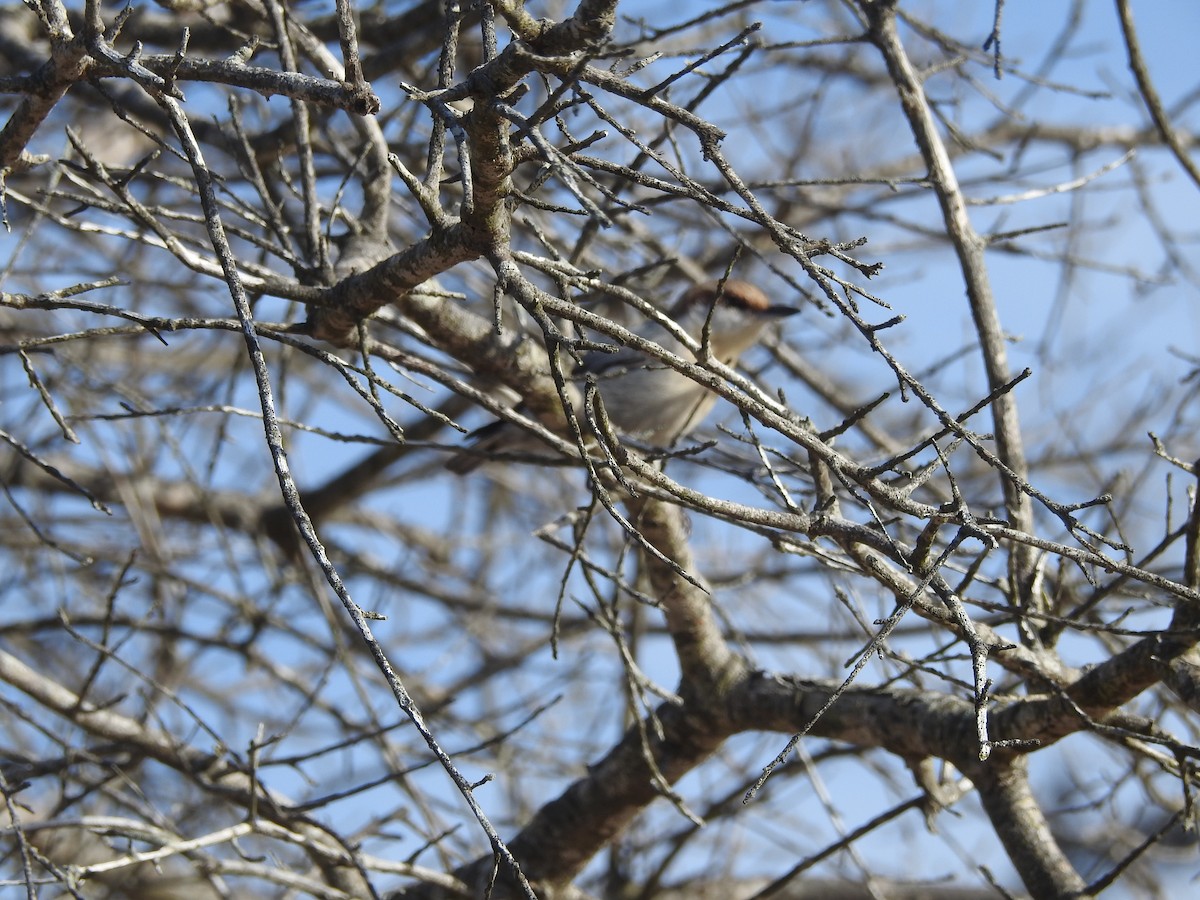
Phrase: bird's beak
[779,312]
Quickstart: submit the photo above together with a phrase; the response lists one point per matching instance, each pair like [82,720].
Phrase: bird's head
[737,313]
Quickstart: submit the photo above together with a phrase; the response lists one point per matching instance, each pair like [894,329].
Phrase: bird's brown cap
[735,293]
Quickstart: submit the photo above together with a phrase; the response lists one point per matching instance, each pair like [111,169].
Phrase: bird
[646,399]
